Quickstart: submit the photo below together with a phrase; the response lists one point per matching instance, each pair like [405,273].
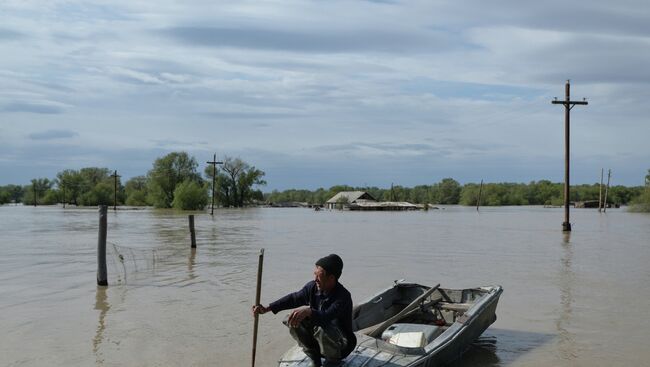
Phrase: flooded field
[569,300]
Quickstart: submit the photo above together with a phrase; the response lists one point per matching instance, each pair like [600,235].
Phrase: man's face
[324,281]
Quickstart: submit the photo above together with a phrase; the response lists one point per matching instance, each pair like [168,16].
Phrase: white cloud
[278,80]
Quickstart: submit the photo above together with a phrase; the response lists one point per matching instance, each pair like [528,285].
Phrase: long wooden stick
[257,302]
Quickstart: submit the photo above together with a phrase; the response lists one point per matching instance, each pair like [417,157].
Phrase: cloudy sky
[317,93]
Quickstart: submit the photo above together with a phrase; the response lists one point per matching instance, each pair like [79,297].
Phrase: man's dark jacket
[334,308]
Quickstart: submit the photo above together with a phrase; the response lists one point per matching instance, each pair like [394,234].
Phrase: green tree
[167,173]
[235,182]
[449,191]
[72,183]
[469,194]
[16,193]
[51,197]
[642,202]
[34,192]
[94,175]
[190,195]
[11,194]
[5,196]
[136,191]
[101,194]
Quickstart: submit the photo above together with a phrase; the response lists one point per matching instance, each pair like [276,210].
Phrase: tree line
[174,181]
[642,202]
[449,191]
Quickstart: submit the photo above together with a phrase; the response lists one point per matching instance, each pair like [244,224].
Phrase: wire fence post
[102,274]
[192,233]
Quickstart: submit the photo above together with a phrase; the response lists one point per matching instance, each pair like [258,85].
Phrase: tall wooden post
[115,176]
[609,174]
[102,275]
[568,105]
[600,191]
[192,233]
[480,191]
[34,187]
[63,187]
[214,178]
[258,294]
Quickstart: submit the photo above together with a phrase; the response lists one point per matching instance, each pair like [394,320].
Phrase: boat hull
[444,349]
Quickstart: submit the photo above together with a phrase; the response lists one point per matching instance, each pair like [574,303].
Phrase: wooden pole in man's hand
[257,302]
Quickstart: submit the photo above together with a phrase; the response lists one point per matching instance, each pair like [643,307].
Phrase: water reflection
[481,353]
[567,345]
[101,304]
[190,264]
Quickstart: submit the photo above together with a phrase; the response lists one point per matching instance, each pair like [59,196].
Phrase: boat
[412,325]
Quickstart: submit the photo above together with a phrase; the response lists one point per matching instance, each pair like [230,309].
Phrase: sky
[319,93]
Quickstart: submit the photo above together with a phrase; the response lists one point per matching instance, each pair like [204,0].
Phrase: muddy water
[577,300]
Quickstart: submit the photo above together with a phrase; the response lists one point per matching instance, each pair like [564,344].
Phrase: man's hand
[299,314]
[260,310]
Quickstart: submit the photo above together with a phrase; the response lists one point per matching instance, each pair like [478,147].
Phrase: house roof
[351,196]
[386,204]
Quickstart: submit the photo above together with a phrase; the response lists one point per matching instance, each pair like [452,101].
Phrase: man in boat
[321,316]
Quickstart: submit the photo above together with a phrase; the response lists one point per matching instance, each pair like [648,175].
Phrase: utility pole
[115,176]
[34,187]
[609,174]
[214,178]
[63,187]
[568,105]
[600,191]
[480,191]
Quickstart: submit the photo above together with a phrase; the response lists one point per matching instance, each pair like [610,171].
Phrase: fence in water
[126,260]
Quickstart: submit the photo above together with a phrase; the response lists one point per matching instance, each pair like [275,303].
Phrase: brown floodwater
[569,300]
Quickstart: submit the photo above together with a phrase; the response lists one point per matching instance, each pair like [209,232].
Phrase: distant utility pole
[115,176]
[63,187]
[34,187]
[568,105]
[600,191]
[609,175]
[214,178]
[480,191]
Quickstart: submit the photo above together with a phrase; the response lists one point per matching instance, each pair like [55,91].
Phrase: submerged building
[361,200]
[345,198]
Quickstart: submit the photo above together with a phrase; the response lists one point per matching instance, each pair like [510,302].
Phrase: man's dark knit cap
[332,264]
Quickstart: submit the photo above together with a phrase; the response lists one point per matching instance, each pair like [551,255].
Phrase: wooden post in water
[609,174]
[102,274]
[600,191]
[192,233]
[258,293]
[480,191]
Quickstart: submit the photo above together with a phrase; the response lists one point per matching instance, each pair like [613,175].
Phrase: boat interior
[412,315]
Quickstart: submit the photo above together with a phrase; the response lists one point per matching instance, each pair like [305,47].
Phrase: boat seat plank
[458,307]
